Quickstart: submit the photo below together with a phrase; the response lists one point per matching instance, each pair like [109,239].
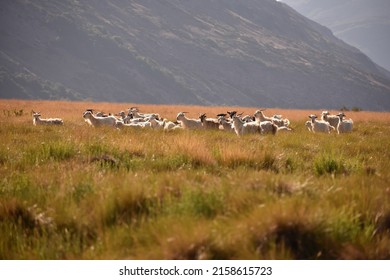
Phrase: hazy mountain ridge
[187,52]
[364,24]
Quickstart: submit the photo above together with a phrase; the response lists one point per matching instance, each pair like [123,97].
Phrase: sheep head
[341,115]
[221,119]
[87,113]
[134,109]
[202,116]
[232,113]
[258,113]
[180,115]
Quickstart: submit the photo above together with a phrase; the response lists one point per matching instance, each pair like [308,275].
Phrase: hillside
[257,53]
[361,23]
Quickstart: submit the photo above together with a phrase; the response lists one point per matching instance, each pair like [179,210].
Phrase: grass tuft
[328,164]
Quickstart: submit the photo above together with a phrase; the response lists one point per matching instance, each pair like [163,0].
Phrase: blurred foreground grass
[75,192]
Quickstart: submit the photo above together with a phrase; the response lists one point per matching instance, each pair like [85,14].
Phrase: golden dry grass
[76,192]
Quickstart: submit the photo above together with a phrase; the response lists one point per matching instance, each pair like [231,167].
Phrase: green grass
[75,192]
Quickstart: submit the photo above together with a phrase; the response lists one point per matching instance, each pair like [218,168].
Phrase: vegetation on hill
[182,52]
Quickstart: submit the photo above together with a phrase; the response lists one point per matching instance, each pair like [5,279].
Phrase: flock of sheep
[330,122]
[231,121]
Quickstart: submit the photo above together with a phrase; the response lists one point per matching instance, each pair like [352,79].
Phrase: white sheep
[157,124]
[280,121]
[320,126]
[231,114]
[284,128]
[169,125]
[276,119]
[125,118]
[266,124]
[344,126]
[137,120]
[224,123]
[255,126]
[247,118]
[150,121]
[121,125]
[134,111]
[99,121]
[51,121]
[308,125]
[241,127]
[209,123]
[101,114]
[267,127]
[187,123]
[333,120]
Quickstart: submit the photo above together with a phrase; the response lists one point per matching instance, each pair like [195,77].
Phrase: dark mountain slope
[186,52]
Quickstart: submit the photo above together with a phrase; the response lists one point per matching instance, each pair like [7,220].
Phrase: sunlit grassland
[75,192]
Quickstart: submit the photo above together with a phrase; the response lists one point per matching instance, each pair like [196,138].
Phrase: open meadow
[77,192]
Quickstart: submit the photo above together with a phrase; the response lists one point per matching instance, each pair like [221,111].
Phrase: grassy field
[76,192]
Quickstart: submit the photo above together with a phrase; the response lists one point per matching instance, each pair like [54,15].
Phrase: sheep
[248,118]
[320,126]
[224,123]
[284,128]
[150,121]
[279,121]
[137,120]
[266,124]
[125,118]
[259,115]
[97,114]
[157,124]
[232,114]
[130,118]
[101,114]
[209,123]
[143,124]
[172,126]
[276,119]
[121,125]
[86,119]
[240,127]
[308,125]
[187,123]
[51,121]
[99,121]
[344,126]
[267,127]
[143,119]
[333,120]
[136,114]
